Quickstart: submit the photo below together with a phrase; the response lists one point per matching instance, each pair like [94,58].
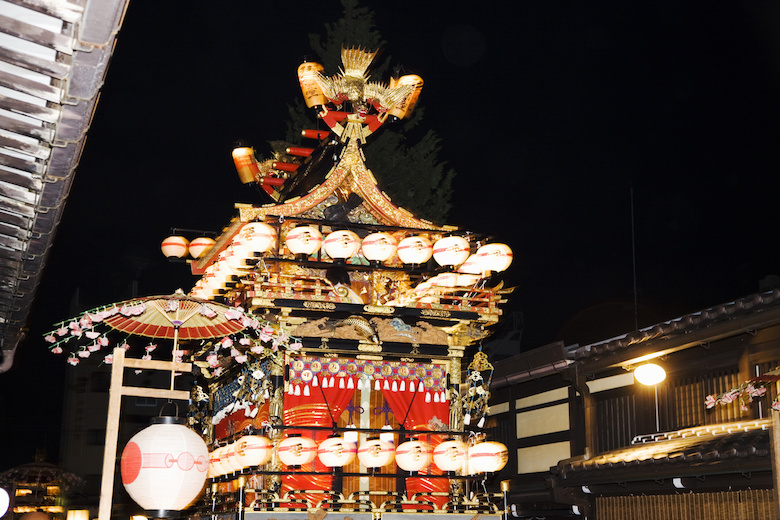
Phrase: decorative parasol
[176,316]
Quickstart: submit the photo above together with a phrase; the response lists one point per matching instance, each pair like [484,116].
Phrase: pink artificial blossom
[56,350]
[62,331]
[743,406]
[295,345]
[125,346]
[73,360]
[212,360]
[146,357]
[50,338]
[729,397]
[257,349]
[103,341]
[244,341]
[226,342]
[75,331]
[108,359]
[233,314]
[91,334]
[93,347]
[85,322]
[83,353]
[710,401]
[240,359]
[150,347]
[775,405]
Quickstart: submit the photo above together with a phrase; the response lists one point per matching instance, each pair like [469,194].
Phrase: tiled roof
[755,306]
[716,449]
[53,57]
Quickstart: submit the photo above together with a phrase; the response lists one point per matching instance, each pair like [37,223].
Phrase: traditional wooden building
[586,439]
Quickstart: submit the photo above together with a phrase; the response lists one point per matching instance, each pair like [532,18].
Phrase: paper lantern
[405,107]
[164,466]
[495,257]
[304,240]
[379,247]
[218,464]
[375,453]
[229,458]
[336,452]
[175,247]
[341,244]
[5,501]
[310,87]
[256,237]
[250,450]
[413,455]
[472,265]
[415,250]
[297,451]
[200,245]
[451,251]
[450,455]
[486,457]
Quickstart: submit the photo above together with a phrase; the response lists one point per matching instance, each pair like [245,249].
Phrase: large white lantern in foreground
[164,466]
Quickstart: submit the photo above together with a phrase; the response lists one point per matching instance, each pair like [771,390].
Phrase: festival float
[347,375]
[375,405]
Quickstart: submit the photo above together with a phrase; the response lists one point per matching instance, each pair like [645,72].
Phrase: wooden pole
[112,434]
[115,393]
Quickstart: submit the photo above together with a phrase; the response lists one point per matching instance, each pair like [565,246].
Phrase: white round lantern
[415,250]
[236,256]
[649,374]
[164,466]
[495,257]
[379,247]
[200,245]
[297,451]
[375,453]
[250,450]
[472,265]
[175,246]
[256,237]
[341,244]
[229,458]
[336,452]
[451,251]
[5,501]
[486,457]
[218,463]
[413,455]
[450,455]
[304,240]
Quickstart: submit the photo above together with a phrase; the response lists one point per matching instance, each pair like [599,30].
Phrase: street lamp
[651,374]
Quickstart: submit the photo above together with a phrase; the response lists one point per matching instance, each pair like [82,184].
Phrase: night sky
[590,138]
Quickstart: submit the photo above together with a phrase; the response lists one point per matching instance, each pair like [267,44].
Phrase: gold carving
[323,306]
[378,309]
[369,347]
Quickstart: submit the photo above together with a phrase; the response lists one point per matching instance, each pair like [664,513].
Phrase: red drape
[323,405]
[413,413]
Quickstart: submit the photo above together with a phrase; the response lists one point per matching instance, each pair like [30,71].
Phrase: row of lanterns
[413,455]
[259,237]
